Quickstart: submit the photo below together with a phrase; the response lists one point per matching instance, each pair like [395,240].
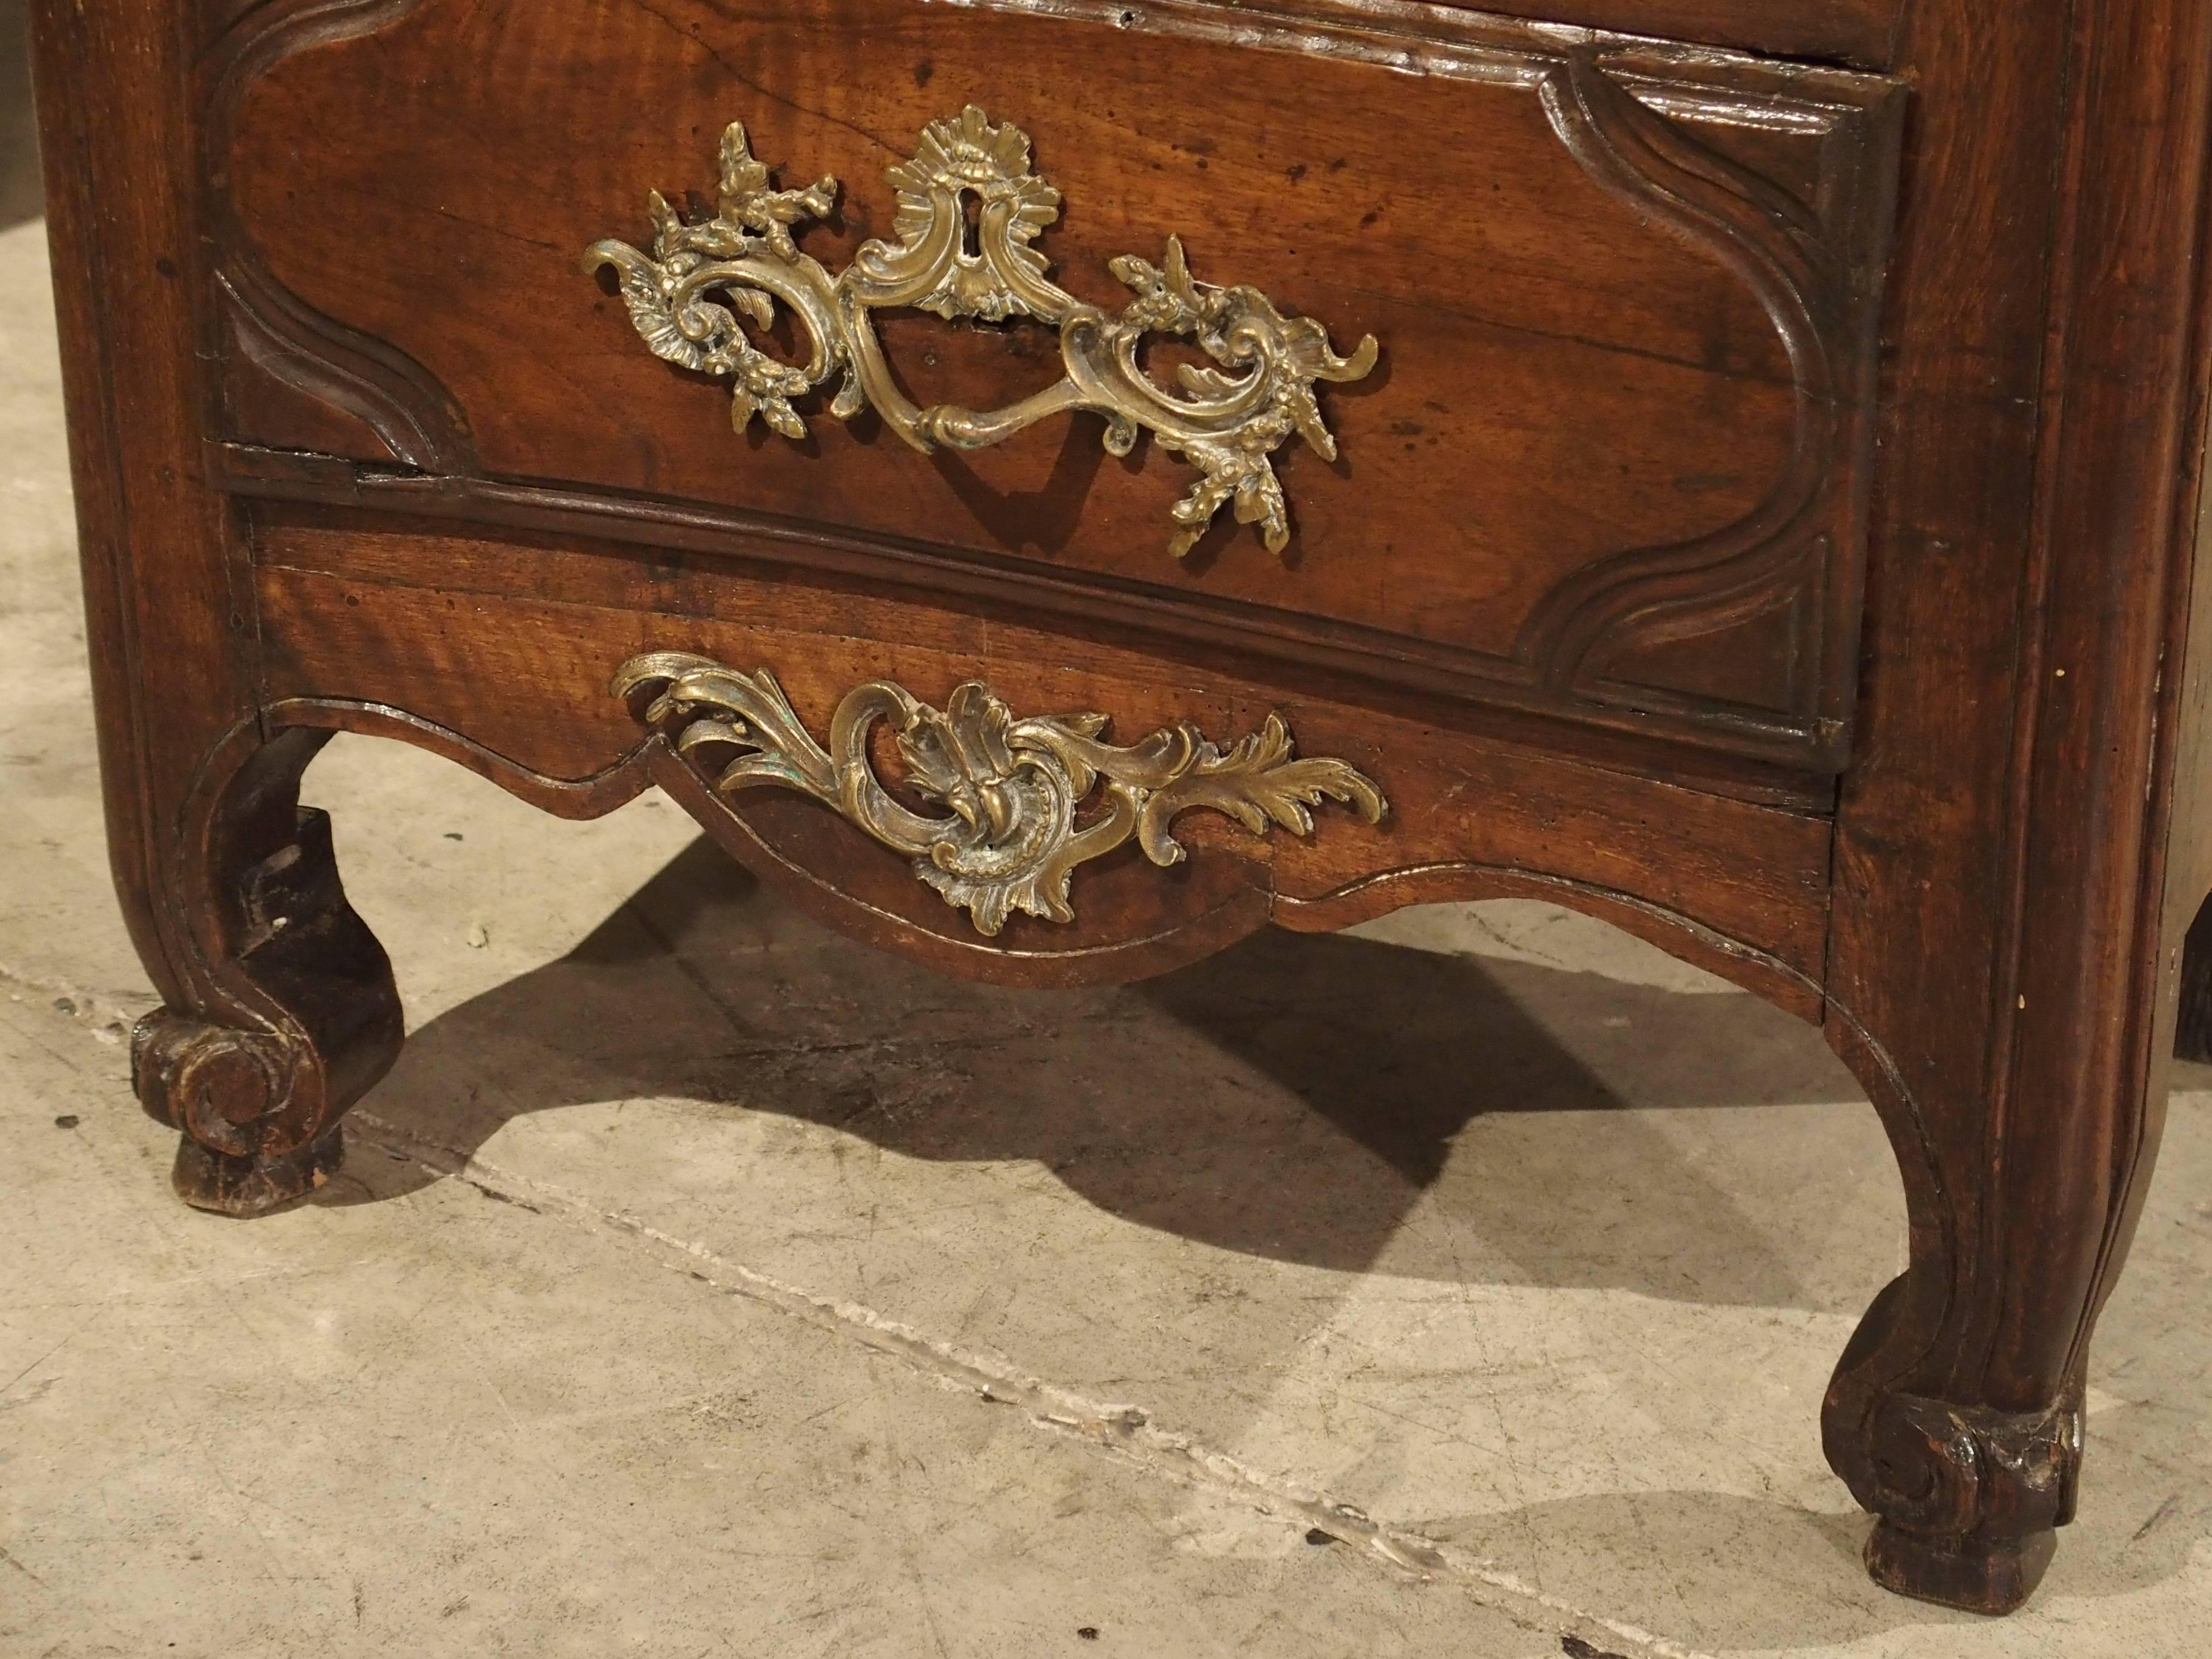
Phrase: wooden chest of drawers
[1055,485]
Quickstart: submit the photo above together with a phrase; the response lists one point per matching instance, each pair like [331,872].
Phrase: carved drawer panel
[1606,458]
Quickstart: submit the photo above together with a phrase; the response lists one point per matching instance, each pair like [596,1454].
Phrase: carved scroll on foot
[1015,791]
[688,295]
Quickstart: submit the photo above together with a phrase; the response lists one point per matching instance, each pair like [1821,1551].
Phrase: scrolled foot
[1970,1574]
[1967,1498]
[249,1186]
[238,1096]
[290,1013]
[225,1089]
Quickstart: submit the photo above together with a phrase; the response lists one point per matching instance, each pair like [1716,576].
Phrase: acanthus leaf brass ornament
[691,294]
[1013,788]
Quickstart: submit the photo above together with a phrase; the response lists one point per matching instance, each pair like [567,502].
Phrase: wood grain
[519,657]
[337,470]
[2001,861]
[1633,305]
[263,1042]
[1863,32]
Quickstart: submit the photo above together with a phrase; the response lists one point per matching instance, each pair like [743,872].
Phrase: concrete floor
[702,1284]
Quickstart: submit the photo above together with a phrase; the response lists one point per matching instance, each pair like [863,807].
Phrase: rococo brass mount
[1012,788]
[1233,420]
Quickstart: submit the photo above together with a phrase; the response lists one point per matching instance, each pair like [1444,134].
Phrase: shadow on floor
[1292,1098]
[1721,1572]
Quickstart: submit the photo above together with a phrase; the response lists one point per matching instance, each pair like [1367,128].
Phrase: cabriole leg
[1955,1413]
[286,1013]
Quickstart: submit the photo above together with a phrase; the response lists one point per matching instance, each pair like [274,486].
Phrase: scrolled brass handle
[1026,799]
[687,297]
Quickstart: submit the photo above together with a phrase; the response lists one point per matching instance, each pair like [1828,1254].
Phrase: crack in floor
[108,1011]
[1127,1432]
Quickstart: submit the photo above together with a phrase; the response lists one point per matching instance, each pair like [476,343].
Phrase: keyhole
[971,230]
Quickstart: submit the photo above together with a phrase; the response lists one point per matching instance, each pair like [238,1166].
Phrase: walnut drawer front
[1608,461]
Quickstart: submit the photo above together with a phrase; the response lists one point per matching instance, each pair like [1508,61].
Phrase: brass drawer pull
[1234,417]
[1011,787]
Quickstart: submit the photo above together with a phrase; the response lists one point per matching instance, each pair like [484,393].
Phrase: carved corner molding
[261,325]
[1011,789]
[687,295]
[1816,267]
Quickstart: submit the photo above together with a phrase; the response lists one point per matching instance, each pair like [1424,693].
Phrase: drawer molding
[1011,787]
[355,375]
[1783,174]
[685,298]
